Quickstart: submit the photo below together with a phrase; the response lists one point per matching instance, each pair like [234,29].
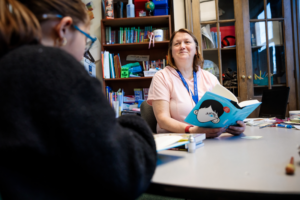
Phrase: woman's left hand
[236,130]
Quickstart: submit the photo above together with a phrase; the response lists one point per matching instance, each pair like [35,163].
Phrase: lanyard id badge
[195,95]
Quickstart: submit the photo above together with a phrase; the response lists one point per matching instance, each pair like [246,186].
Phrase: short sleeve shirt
[167,85]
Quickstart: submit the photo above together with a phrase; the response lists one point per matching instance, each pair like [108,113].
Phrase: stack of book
[120,102]
[209,38]
[115,99]
[111,65]
[160,63]
[177,141]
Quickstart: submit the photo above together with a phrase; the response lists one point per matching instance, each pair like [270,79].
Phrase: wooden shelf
[213,49]
[231,87]
[141,45]
[129,79]
[258,47]
[274,85]
[128,84]
[158,52]
[222,49]
[221,21]
[263,20]
[229,48]
[162,20]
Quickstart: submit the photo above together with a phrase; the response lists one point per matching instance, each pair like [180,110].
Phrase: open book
[172,140]
[220,108]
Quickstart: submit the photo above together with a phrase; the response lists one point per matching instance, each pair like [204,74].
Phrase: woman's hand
[236,130]
[210,132]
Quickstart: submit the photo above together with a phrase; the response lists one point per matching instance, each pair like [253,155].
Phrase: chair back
[274,102]
[148,115]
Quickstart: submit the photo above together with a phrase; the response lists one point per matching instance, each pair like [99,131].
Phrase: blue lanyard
[195,97]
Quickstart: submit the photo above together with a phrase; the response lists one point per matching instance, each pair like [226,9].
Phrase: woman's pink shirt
[167,85]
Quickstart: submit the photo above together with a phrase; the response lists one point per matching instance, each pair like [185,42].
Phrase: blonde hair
[198,59]
[20,19]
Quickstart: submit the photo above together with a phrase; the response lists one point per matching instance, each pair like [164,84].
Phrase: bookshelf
[263,37]
[159,51]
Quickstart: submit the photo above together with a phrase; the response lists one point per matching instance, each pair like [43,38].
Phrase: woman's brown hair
[198,59]
[20,19]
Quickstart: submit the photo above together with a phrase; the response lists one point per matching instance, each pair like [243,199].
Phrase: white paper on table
[297,127]
[207,11]
[95,50]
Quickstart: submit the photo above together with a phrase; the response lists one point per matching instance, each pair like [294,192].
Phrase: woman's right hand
[210,132]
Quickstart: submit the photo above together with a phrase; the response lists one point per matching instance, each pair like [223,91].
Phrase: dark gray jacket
[59,138]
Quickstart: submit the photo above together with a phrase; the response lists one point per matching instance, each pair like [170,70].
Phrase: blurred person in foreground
[59,138]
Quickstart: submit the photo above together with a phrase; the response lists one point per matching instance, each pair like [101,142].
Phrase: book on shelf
[103,9]
[145,93]
[109,9]
[111,65]
[119,12]
[176,141]
[105,65]
[102,62]
[123,35]
[106,35]
[207,37]
[220,108]
[113,37]
[115,99]
[138,94]
[116,66]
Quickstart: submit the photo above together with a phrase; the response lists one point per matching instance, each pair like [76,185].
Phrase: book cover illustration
[215,111]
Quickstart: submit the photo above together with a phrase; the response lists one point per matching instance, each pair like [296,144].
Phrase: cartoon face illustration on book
[210,110]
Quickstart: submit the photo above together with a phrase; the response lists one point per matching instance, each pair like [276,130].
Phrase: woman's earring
[64,41]
[61,42]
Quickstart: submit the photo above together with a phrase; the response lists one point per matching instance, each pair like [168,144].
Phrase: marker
[284,126]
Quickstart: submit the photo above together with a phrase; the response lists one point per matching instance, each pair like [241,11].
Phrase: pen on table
[284,126]
[267,125]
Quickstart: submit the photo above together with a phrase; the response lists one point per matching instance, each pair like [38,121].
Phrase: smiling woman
[175,90]
[184,38]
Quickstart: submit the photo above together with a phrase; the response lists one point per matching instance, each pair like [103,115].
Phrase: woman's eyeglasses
[90,40]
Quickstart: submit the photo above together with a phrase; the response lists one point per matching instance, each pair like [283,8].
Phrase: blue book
[220,108]
[108,90]
[131,35]
[128,35]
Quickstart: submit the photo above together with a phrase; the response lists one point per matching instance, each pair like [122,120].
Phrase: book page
[206,32]
[224,92]
[164,141]
[184,137]
[248,102]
